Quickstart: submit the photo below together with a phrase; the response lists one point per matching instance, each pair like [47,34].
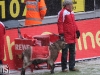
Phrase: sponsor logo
[4,69]
[21,46]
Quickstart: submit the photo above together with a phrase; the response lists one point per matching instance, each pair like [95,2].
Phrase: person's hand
[77,34]
[61,37]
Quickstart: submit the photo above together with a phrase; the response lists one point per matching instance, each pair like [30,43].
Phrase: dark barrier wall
[53,7]
[89,5]
[12,9]
[97,4]
[15,9]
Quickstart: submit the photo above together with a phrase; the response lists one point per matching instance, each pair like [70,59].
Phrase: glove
[61,37]
[78,34]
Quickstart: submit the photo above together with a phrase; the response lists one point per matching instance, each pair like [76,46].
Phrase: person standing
[2,33]
[36,10]
[68,29]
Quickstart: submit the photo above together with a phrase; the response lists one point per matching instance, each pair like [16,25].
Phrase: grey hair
[67,2]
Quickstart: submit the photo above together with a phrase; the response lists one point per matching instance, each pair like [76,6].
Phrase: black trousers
[1,64]
[71,48]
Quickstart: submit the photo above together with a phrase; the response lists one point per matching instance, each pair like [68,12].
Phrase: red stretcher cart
[39,47]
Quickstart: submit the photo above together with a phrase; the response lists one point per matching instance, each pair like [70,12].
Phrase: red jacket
[2,33]
[66,25]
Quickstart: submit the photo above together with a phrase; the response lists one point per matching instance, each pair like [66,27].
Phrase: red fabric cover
[53,38]
[60,22]
[44,39]
[31,38]
[2,33]
[68,25]
[28,36]
[39,52]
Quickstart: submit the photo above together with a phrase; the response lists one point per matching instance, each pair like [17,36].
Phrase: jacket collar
[67,9]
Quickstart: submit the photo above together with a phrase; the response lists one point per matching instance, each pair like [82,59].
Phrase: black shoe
[74,69]
[65,70]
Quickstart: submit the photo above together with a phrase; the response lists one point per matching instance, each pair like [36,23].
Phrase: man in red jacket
[68,28]
[2,33]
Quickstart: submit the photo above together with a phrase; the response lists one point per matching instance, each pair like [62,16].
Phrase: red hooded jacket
[2,33]
[67,26]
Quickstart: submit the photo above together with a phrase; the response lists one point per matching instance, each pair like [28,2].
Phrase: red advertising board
[87,46]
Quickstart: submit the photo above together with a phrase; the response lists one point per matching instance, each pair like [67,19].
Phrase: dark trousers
[71,48]
[1,64]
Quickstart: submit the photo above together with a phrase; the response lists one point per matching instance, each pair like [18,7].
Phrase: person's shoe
[74,69]
[65,70]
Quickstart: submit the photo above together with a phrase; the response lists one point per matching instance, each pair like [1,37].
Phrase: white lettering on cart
[21,46]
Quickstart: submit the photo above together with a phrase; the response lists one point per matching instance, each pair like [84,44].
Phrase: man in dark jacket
[68,28]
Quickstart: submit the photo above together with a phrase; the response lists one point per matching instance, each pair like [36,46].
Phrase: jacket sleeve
[60,23]
[75,24]
[42,8]
[60,27]
[3,28]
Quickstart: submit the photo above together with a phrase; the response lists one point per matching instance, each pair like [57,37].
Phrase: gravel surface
[87,67]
